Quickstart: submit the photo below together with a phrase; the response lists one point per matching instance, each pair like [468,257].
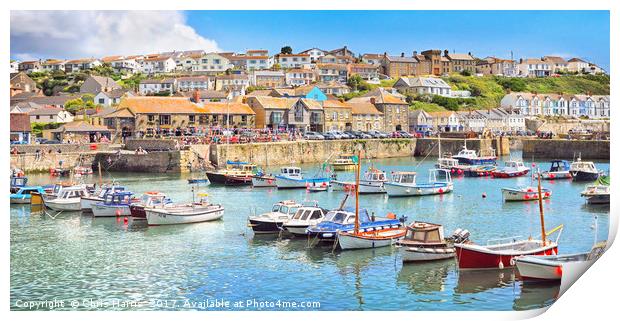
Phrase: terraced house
[395,111]
[534,104]
[461,62]
[293,60]
[365,116]
[81,64]
[287,113]
[337,115]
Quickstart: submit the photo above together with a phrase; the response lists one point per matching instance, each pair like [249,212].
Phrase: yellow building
[337,115]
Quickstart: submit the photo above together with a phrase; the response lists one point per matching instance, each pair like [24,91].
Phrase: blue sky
[80,34]
[526,33]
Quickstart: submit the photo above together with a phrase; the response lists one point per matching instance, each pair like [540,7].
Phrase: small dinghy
[184,213]
[197,180]
[272,222]
[551,268]
[520,194]
[598,193]
[318,188]
[560,169]
[511,169]
[114,204]
[425,242]
[404,184]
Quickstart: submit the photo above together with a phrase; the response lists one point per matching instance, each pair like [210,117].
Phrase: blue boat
[22,195]
[291,177]
[344,220]
[114,204]
[18,182]
[470,157]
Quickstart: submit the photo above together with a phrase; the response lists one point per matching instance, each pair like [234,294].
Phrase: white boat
[185,213]
[342,186]
[597,194]
[318,188]
[553,267]
[425,242]
[344,162]
[583,171]
[527,193]
[373,182]
[68,198]
[114,204]
[265,180]
[292,177]
[404,184]
[272,222]
[306,216]
[148,199]
[511,169]
[87,202]
[368,240]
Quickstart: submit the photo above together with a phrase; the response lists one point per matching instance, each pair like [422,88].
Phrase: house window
[151,118]
[51,117]
[192,118]
[101,100]
[276,117]
[38,117]
[164,119]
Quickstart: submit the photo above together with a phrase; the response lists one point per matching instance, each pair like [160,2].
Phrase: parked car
[313,136]
[329,136]
[51,141]
[364,135]
[18,142]
[337,134]
[404,134]
[352,133]
[378,134]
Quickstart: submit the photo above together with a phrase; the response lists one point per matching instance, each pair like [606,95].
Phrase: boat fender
[118,212]
[512,262]
[501,264]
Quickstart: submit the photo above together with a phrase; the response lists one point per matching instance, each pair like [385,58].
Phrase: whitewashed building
[314,53]
[81,64]
[534,104]
[423,85]
[300,77]
[157,65]
[195,83]
[156,86]
[293,60]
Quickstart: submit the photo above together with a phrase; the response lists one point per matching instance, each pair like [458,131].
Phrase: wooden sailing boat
[500,255]
[370,237]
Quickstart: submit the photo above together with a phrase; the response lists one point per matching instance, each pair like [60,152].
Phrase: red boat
[511,169]
[501,255]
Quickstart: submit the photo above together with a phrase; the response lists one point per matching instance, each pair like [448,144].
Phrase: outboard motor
[403,219]
[460,236]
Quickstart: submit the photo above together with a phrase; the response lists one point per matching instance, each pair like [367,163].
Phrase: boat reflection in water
[476,281]
[426,277]
[536,296]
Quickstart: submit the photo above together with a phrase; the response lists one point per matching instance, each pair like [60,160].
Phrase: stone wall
[286,153]
[150,144]
[562,127]
[430,146]
[30,163]
[565,149]
[65,148]
[153,162]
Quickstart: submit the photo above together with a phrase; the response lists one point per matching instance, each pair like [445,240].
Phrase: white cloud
[81,34]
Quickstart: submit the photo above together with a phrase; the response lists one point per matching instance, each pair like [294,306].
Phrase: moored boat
[184,213]
[87,201]
[292,177]
[68,198]
[344,162]
[527,193]
[598,193]
[262,179]
[344,220]
[273,221]
[552,268]
[584,171]
[18,181]
[425,242]
[470,157]
[114,204]
[511,169]
[235,173]
[308,215]
[148,199]
[23,194]
[480,171]
[404,184]
[373,181]
[559,169]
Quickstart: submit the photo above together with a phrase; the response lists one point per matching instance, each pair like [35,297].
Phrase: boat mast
[542,214]
[99,169]
[357,192]
[439,140]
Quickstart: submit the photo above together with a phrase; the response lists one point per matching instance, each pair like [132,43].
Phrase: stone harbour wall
[65,148]
[29,163]
[153,162]
[565,149]
[430,146]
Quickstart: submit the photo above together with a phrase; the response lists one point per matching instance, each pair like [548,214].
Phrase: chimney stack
[402,54]
[415,53]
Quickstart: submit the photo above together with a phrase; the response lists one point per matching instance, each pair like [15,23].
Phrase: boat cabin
[439,173]
[559,166]
[345,159]
[467,153]
[118,198]
[17,182]
[375,175]
[153,199]
[583,166]
[447,162]
[346,216]
[294,172]
[73,192]
[308,213]
[424,233]
[514,164]
[240,166]
[596,189]
[404,177]
[109,189]
[286,207]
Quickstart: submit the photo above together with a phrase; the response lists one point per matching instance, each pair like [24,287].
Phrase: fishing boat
[88,201]
[148,199]
[551,268]
[373,182]
[560,169]
[184,213]
[598,193]
[272,222]
[501,253]
[519,194]
[262,179]
[446,161]
[68,198]
[235,173]
[425,242]
[292,177]
[18,182]
[511,169]
[82,170]
[344,220]
[308,215]
[369,237]
[480,171]
[114,204]
[23,194]
[404,184]
[583,171]
[470,157]
[344,162]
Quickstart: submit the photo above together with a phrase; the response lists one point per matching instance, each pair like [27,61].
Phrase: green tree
[465,72]
[287,50]
[104,70]
[354,82]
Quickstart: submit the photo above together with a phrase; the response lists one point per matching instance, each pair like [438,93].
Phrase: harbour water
[73,256]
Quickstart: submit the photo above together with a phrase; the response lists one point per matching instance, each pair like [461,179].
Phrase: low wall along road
[565,149]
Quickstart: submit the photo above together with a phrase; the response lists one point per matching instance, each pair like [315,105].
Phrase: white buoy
[501,264]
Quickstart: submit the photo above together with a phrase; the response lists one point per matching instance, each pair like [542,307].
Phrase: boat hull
[137,212]
[262,181]
[342,186]
[479,257]
[100,210]
[371,187]
[555,175]
[163,217]
[297,229]
[63,204]
[266,226]
[343,167]
[513,195]
[537,270]
[476,161]
[20,199]
[401,190]
[582,176]
[598,199]
[284,182]
[349,241]
[223,179]
[422,254]
[504,174]
[86,203]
